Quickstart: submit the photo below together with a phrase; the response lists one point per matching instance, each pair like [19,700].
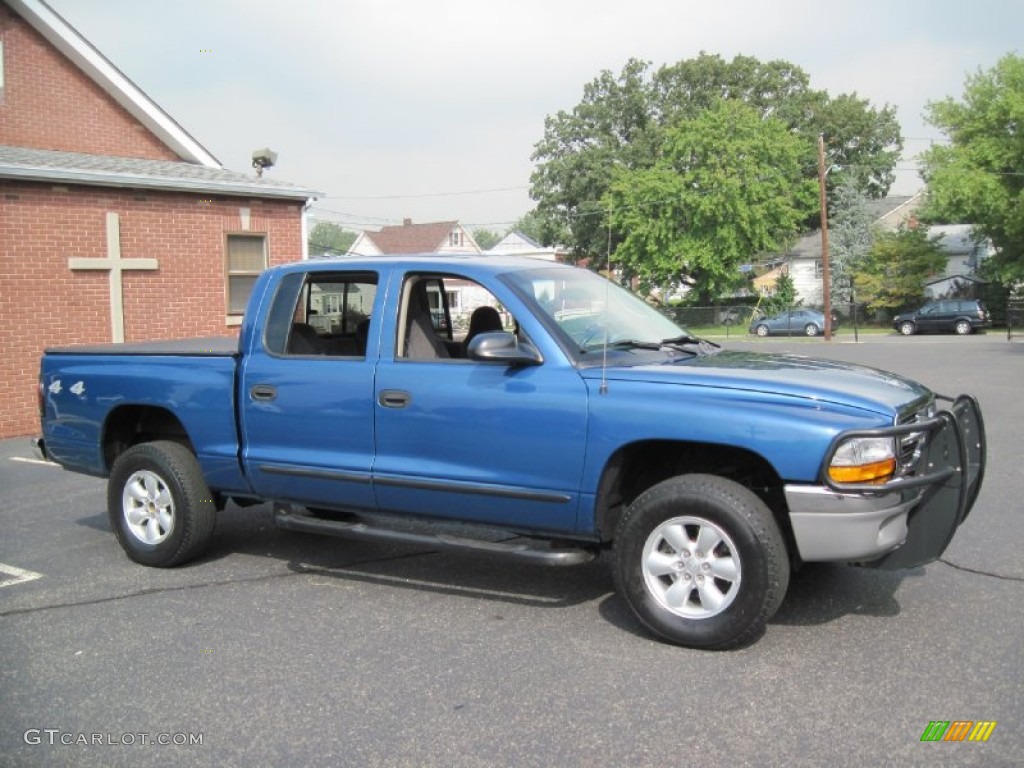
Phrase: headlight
[864,460]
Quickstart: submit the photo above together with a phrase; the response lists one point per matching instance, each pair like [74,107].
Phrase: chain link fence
[720,319]
[737,319]
[1014,318]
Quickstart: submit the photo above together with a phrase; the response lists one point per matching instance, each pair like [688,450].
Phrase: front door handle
[394,398]
[263,392]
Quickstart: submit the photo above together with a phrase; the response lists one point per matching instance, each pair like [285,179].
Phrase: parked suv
[962,316]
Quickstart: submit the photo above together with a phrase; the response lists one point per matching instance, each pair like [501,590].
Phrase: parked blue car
[803,322]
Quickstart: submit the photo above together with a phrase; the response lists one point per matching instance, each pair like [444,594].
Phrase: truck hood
[825,381]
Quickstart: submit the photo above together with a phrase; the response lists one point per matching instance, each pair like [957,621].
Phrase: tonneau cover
[212,346]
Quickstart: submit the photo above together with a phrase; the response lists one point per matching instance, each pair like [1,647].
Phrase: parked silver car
[802,322]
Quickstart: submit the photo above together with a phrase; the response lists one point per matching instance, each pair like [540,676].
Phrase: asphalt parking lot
[279,648]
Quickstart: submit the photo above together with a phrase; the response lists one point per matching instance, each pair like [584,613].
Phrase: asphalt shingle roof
[104,170]
[412,238]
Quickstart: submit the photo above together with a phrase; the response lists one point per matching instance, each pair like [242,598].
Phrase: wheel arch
[635,467]
[129,425]
[967,320]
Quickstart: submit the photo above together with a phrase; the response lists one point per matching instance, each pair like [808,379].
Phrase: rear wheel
[701,562]
[811,329]
[159,504]
[907,328]
[962,327]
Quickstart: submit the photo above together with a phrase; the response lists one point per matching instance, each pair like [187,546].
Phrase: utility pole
[826,286]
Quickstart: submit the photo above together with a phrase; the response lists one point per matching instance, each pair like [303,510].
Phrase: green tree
[622,120]
[784,297]
[728,184]
[331,239]
[486,238]
[893,274]
[535,227]
[850,236]
[979,177]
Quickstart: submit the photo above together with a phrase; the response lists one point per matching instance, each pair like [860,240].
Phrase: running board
[286,518]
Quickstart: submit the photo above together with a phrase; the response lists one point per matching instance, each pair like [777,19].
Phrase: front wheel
[701,562]
[907,328]
[762,330]
[159,504]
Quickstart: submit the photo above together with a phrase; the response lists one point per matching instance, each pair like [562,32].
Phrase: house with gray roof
[804,262]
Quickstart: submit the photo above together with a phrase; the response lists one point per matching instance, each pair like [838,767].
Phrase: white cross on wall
[116,265]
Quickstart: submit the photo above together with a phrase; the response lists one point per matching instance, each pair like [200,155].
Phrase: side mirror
[503,347]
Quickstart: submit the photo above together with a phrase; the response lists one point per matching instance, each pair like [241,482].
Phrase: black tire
[907,328]
[810,329]
[748,566]
[963,327]
[762,330]
[159,504]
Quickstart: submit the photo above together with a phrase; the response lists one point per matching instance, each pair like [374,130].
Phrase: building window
[246,258]
[819,269]
[455,238]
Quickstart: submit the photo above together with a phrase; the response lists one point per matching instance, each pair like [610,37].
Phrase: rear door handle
[263,392]
[394,398]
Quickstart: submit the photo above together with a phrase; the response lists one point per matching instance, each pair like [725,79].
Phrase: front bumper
[908,521]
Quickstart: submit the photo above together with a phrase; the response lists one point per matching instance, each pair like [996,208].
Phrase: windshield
[591,311]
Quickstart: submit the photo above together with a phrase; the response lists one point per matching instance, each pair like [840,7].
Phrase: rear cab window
[322,314]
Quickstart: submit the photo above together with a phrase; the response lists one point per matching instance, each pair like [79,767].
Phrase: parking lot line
[24,460]
[18,575]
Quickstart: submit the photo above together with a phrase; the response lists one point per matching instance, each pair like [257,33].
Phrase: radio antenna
[607,296]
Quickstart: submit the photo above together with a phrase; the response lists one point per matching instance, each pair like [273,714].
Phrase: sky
[431,110]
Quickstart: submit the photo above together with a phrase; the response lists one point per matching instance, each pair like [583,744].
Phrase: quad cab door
[306,395]
[491,442]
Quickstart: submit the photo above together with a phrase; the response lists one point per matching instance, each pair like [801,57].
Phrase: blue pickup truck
[524,409]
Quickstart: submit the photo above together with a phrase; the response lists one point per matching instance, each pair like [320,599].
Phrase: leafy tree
[330,238]
[893,274]
[580,150]
[486,238]
[784,297]
[622,120]
[979,177]
[728,184]
[850,237]
[535,227]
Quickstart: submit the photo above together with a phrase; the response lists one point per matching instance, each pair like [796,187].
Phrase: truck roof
[478,262]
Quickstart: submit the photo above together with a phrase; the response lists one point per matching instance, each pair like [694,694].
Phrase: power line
[427,194]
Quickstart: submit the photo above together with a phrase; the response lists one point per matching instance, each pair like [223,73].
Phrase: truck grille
[910,446]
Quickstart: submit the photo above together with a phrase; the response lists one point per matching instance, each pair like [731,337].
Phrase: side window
[322,314]
[441,314]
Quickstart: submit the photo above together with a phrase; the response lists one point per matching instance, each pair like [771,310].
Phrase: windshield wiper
[637,344]
[679,342]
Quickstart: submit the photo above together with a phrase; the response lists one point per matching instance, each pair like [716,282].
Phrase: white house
[964,253]
[804,258]
[518,244]
[432,237]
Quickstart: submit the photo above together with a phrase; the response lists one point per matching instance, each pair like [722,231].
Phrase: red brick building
[115,223]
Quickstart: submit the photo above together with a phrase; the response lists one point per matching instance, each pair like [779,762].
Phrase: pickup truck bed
[212,346]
